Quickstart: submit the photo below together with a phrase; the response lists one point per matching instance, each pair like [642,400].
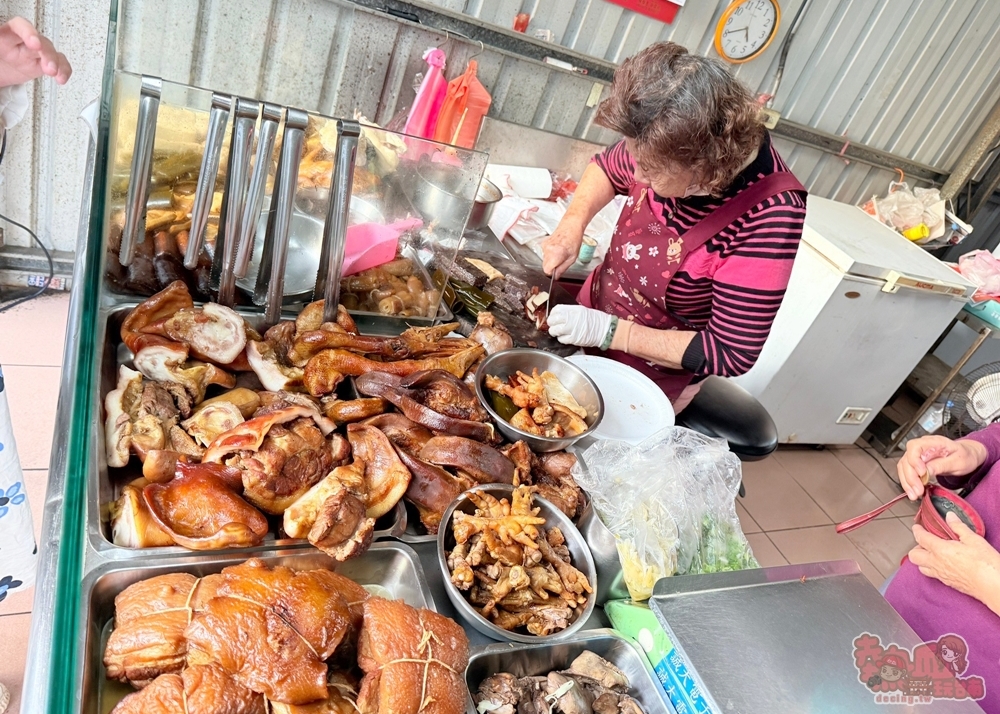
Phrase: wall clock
[746,28]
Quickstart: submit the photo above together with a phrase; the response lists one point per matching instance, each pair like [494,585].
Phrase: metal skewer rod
[331,261]
[244,120]
[142,165]
[270,117]
[217,119]
[271,275]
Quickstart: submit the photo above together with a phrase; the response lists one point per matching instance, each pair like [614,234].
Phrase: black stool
[725,410]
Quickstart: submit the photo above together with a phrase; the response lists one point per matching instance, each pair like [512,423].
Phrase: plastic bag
[982,269]
[465,105]
[905,210]
[670,503]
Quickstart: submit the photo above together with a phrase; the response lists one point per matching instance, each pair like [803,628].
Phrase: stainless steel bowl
[487,197]
[521,359]
[539,660]
[443,194]
[582,561]
[305,242]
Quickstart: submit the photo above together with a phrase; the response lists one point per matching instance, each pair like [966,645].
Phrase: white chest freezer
[862,308]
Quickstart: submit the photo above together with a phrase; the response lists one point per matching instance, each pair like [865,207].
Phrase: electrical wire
[786,43]
[4,307]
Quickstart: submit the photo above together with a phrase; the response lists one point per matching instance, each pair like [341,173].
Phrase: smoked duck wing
[258,648]
[413,660]
[353,365]
[446,394]
[305,600]
[148,638]
[388,387]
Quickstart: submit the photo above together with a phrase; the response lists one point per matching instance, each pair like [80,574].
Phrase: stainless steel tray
[524,660]
[393,566]
[105,488]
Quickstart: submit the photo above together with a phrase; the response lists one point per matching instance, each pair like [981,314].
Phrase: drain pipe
[967,163]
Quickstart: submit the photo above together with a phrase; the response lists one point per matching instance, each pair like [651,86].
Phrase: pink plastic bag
[424,114]
[982,269]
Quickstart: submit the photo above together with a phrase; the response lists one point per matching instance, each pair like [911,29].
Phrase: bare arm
[663,347]
[562,247]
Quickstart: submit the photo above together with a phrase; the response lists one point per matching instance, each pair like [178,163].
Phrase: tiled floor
[31,346]
[793,498]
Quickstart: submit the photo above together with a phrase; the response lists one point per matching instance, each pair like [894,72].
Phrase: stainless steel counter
[779,640]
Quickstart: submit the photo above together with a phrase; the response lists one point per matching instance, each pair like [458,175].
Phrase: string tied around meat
[426,639]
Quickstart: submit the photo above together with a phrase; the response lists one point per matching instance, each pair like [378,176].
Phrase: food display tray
[524,660]
[409,570]
[105,488]
[392,566]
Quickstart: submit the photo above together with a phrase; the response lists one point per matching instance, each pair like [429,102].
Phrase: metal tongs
[331,261]
[234,197]
[270,287]
[217,119]
[142,165]
[270,117]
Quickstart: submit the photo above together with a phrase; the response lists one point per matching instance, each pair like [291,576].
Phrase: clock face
[748,29]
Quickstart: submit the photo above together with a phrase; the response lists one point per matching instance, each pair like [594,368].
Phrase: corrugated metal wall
[350,58]
[915,78]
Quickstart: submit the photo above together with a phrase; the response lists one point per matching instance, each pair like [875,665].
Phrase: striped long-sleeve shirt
[729,289]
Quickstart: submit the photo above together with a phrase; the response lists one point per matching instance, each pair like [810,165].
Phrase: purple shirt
[933,609]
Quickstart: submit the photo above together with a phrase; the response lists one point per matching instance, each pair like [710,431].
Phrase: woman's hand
[932,456]
[26,54]
[579,325]
[970,565]
[561,249]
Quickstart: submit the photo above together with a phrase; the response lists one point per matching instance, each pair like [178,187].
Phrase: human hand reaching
[932,456]
[26,54]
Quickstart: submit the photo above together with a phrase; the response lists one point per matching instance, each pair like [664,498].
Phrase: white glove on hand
[578,325]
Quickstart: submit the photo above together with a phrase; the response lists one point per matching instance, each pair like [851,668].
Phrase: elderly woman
[953,587]
[703,250]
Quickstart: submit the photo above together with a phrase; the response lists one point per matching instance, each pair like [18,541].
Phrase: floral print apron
[17,536]
[645,255]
